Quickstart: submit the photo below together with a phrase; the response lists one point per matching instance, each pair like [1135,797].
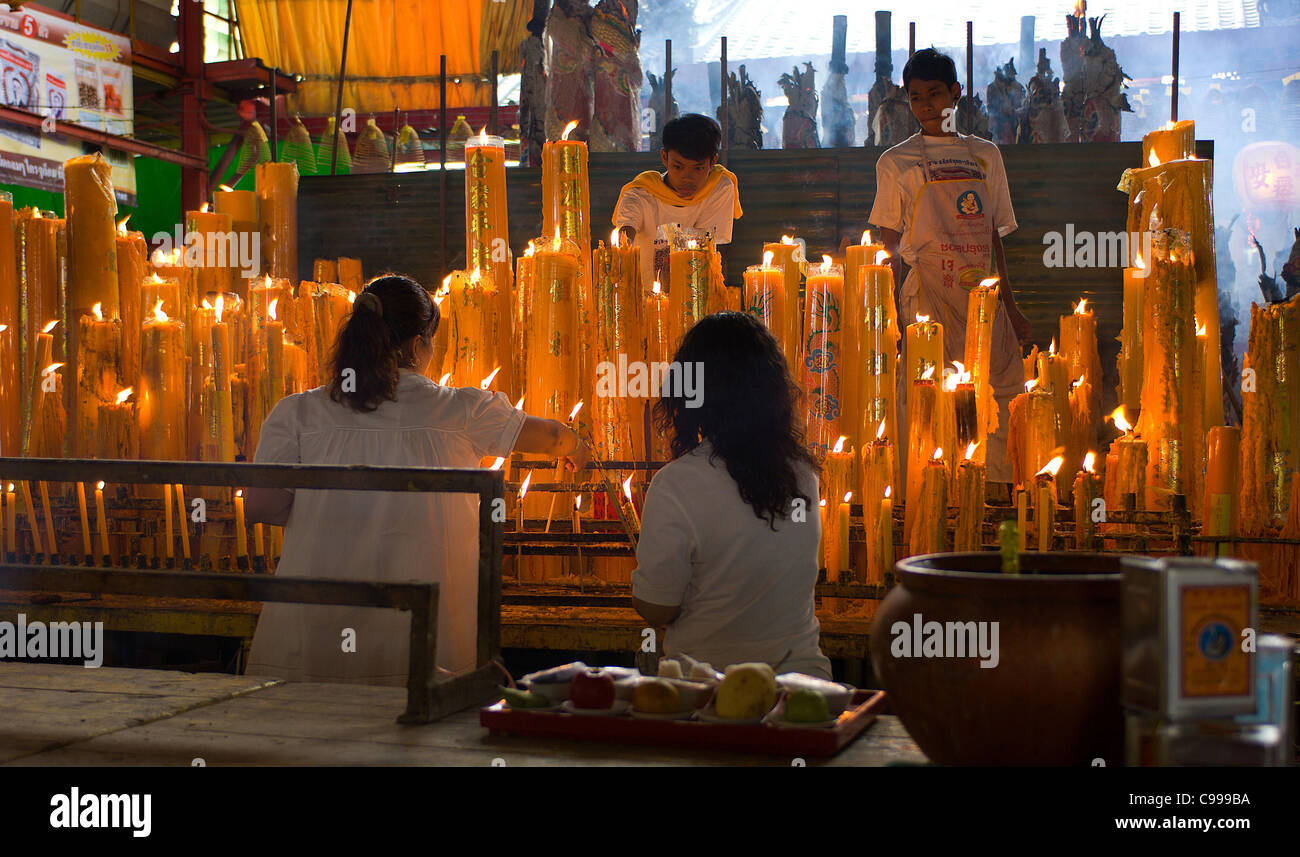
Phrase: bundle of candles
[170,357]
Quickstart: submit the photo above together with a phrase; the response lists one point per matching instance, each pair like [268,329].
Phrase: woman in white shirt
[379,409]
[727,559]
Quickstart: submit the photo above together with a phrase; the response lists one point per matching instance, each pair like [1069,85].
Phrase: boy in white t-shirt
[694,190]
[942,204]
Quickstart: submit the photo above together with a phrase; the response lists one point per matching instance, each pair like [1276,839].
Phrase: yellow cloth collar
[652,182]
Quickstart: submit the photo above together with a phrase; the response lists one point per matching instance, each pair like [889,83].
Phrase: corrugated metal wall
[391,221]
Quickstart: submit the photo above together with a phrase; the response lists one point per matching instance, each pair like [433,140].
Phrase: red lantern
[1267,176]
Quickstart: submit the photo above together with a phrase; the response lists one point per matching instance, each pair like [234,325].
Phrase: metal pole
[725,123]
[970,66]
[131,15]
[1173,101]
[338,101]
[397,132]
[911,38]
[275,118]
[442,157]
[668,81]
[494,112]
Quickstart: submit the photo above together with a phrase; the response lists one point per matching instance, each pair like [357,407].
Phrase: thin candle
[37,545]
[241,530]
[105,556]
[86,548]
[181,520]
[168,524]
[1045,501]
[11,521]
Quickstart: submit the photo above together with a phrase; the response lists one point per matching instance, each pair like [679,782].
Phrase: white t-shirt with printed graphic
[647,214]
[900,176]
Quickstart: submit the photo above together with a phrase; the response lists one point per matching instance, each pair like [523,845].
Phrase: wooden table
[69,715]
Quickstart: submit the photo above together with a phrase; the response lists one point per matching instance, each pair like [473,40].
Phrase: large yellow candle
[1270,450]
[213,255]
[786,255]
[1079,348]
[1032,435]
[838,472]
[162,388]
[43,251]
[1085,491]
[222,425]
[117,429]
[521,316]
[40,386]
[241,207]
[1130,357]
[552,358]
[971,497]
[11,370]
[277,209]
[1045,502]
[922,428]
[473,349]
[132,266]
[856,258]
[824,368]
[99,371]
[764,295]
[617,414]
[1168,383]
[924,348]
[487,231]
[878,474]
[1170,142]
[878,364]
[566,211]
[659,349]
[1222,473]
[91,210]
[981,309]
[350,276]
[689,286]
[929,532]
[1054,377]
[1126,468]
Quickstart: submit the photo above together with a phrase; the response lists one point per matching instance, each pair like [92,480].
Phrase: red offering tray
[823,741]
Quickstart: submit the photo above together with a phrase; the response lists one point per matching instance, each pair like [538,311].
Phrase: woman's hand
[578,458]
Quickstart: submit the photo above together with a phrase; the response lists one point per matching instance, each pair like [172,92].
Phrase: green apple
[806,706]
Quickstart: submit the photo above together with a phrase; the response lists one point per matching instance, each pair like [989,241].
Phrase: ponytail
[367,356]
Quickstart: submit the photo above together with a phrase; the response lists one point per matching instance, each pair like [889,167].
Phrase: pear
[747,691]
[656,696]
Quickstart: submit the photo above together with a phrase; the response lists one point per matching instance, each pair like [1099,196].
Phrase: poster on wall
[56,68]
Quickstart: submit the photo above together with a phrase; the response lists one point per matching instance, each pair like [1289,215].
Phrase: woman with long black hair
[727,559]
[379,409]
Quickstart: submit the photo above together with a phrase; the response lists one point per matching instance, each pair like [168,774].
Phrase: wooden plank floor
[60,715]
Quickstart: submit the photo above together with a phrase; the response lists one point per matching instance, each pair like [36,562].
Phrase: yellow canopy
[393,48]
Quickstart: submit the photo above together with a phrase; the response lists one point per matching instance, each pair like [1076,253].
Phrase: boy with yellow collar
[695,190]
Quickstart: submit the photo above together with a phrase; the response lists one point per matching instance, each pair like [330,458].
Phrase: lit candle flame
[99,486]
[938,453]
[1201,330]
[655,287]
[826,264]
[496,465]
[266,281]
[882,256]
[692,244]
[1120,418]
[3,328]
[786,239]
[221,304]
[880,432]
[352,296]
[577,504]
[270,309]
[124,395]
[822,503]
[555,242]
[442,382]
[1031,384]
[1077,382]
[227,188]
[1089,460]
[36,215]
[866,237]
[921,319]
[519,405]
[203,209]
[11,485]
[239,492]
[475,277]
[158,313]
[970,449]
[988,282]
[49,326]
[839,444]
[205,304]
[1153,159]
[523,489]
[528,253]
[1137,260]
[52,368]
[627,488]
[98,310]
[573,414]
[487,382]
[156,278]
[950,381]
[613,239]
[1051,352]
[482,136]
[568,129]
[768,258]
[1080,308]
[848,495]
[928,374]
[1051,467]
[121,225]
[889,491]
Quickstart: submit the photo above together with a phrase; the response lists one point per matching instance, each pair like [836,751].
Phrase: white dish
[676,715]
[710,715]
[777,719]
[554,706]
[620,707]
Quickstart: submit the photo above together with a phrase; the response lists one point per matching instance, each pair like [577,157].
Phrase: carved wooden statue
[1042,120]
[570,82]
[744,112]
[1094,97]
[1005,97]
[799,127]
[532,89]
[616,119]
[661,115]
